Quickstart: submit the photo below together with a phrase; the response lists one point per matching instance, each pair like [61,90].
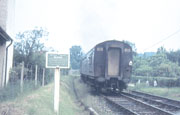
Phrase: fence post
[36,76]
[43,76]
[22,75]
[31,72]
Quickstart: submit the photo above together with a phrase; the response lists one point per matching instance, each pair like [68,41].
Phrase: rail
[132,106]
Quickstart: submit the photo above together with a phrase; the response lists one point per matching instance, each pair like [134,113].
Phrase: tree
[141,66]
[28,47]
[75,56]
[144,70]
[162,64]
[161,50]
[174,56]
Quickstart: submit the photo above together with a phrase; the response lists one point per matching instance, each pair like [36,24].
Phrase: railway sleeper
[158,104]
[153,108]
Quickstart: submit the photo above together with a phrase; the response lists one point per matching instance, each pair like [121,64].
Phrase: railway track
[137,103]
[134,103]
[165,104]
[167,101]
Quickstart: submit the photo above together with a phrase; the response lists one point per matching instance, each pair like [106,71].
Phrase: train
[108,66]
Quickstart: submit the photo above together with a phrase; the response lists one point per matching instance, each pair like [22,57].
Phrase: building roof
[4,36]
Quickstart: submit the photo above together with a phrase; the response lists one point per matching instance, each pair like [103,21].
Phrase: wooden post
[31,72]
[56,90]
[43,76]
[22,75]
[36,76]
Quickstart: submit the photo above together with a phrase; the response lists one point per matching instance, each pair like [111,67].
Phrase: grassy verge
[40,101]
[173,93]
[12,90]
[67,97]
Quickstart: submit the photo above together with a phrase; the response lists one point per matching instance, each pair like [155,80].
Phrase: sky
[149,24]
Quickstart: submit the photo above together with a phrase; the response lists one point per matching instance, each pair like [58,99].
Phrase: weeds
[12,90]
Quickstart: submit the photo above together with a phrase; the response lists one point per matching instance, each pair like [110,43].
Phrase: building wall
[7,9]
[11,32]
[2,63]
[3,18]
[3,13]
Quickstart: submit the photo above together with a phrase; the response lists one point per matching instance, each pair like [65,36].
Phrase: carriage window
[99,49]
[127,50]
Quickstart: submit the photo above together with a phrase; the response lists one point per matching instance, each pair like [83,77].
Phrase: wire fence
[35,73]
[28,72]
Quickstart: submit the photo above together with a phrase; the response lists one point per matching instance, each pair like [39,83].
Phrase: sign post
[57,61]
[36,76]
[56,89]
[22,76]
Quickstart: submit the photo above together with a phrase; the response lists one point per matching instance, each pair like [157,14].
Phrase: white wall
[3,17]
[7,19]
[10,29]
[2,63]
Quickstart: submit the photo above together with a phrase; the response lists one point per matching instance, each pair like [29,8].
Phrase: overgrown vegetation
[29,48]
[43,103]
[40,101]
[12,90]
[161,64]
[76,55]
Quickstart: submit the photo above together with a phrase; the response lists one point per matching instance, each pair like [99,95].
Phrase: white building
[7,14]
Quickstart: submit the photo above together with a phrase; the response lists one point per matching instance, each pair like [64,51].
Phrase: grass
[40,101]
[173,93]
[67,97]
[12,90]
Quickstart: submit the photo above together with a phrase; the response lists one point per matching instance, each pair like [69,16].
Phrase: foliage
[15,73]
[39,101]
[12,90]
[156,65]
[29,48]
[75,56]
[174,56]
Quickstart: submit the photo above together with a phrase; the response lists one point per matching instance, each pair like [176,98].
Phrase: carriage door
[113,61]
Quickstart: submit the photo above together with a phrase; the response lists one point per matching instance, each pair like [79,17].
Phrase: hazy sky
[88,22]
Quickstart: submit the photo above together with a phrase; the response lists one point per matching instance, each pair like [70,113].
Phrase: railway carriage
[108,66]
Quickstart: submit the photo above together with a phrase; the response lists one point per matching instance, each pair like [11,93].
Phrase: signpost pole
[56,90]
[22,76]
[36,76]
[57,61]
